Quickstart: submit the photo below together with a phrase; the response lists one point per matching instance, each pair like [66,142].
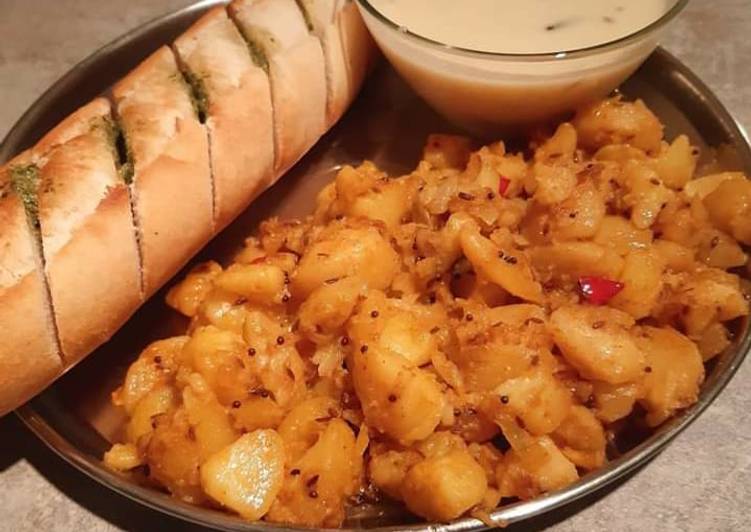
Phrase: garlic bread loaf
[115,200]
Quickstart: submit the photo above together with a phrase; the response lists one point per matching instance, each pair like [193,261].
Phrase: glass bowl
[488,93]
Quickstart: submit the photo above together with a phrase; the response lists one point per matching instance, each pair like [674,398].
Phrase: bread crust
[76,124]
[88,236]
[171,189]
[240,120]
[29,353]
[297,71]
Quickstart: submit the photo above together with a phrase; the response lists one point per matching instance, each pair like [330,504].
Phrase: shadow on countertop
[18,443]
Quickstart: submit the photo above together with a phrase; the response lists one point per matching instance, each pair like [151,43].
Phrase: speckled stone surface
[702,482]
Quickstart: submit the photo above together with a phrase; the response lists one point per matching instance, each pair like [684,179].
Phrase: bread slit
[25,181]
[239,119]
[123,156]
[89,247]
[297,73]
[30,351]
[171,190]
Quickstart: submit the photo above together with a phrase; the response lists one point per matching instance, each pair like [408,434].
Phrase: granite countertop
[701,482]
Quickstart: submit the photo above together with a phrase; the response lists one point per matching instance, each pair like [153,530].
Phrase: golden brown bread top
[153,99]
[215,41]
[17,251]
[74,125]
[76,176]
[275,25]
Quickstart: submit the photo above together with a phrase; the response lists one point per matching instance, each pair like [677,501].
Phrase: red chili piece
[598,290]
[503,185]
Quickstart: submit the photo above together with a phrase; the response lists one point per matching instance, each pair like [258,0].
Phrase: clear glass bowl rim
[621,42]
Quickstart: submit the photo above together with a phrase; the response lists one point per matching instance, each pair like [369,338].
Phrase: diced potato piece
[399,326]
[620,234]
[490,164]
[706,296]
[388,470]
[324,313]
[487,364]
[123,457]
[519,316]
[281,242]
[614,402]
[718,250]
[677,224]
[561,145]
[676,257]
[729,207]
[317,485]
[646,194]
[304,424]
[217,355]
[676,371]
[537,468]
[447,151]
[186,296]
[209,420]
[160,400]
[388,202]
[346,252]
[553,183]
[676,164]
[642,283]
[222,309]
[500,344]
[597,341]
[247,475]
[507,268]
[580,215]
[155,365]
[617,122]
[440,444]
[714,340]
[701,187]
[620,153]
[536,398]
[444,487]
[581,438]
[397,398]
[450,247]
[568,261]
[262,284]
[173,457]
[256,412]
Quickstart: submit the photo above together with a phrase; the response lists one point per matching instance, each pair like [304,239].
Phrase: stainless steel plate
[388,124]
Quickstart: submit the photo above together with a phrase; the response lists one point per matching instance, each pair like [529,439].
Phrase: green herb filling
[198,94]
[25,181]
[118,144]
